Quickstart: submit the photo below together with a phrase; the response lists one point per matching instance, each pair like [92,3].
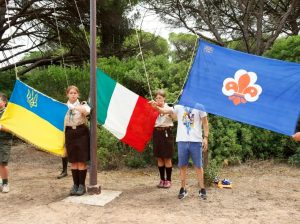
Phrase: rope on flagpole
[142,56]
[60,44]
[191,60]
[81,26]
[188,70]
[144,64]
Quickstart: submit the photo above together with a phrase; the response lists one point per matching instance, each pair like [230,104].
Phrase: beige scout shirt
[164,120]
[74,117]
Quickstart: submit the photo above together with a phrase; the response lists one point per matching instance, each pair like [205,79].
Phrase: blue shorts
[187,149]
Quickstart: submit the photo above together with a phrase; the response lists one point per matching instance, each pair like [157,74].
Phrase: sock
[75,175]
[203,191]
[162,172]
[82,176]
[169,173]
[64,164]
[4,181]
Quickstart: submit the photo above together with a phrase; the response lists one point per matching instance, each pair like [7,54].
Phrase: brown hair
[3,98]
[160,92]
[72,87]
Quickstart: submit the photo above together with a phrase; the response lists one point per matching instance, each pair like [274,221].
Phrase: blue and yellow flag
[247,88]
[36,118]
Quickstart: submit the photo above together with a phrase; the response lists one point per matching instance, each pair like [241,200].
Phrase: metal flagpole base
[94,189]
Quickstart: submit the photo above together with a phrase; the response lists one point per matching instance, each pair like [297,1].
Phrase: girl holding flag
[163,142]
[77,139]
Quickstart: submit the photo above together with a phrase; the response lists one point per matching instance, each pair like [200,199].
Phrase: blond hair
[160,92]
[72,87]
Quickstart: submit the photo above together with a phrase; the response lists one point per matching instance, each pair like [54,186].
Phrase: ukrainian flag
[36,118]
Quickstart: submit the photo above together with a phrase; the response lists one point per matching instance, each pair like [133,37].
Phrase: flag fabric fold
[125,114]
[36,118]
[247,88]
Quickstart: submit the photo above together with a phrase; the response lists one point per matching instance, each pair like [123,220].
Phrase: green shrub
[114,154]
[211,172]
[295,159]
[111,151]
[54,80]
[135,160]
[229,141]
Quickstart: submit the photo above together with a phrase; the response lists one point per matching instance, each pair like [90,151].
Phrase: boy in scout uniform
[5,146]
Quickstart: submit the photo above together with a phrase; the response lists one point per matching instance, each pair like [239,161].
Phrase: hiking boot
[73,190]
[81,190]
[5,188]
[202,194]
[161,184]
[167,184]
[62,175]
[182,193]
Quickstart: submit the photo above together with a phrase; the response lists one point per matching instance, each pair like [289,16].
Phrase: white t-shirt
[189,127]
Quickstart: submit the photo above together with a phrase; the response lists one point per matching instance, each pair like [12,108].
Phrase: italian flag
[125,114]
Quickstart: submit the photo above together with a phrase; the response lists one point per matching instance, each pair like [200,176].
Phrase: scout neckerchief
[71,112]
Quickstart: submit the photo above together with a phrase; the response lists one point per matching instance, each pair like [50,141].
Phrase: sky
[152,23]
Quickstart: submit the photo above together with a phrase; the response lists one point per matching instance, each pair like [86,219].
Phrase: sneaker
[5,188]
[202,194]
[62,175]
[161,184]
[73,190]
[81,190]
[182,193]
[167,184]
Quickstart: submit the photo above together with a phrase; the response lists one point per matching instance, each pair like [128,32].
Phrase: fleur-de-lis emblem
[32,98]
[208,49]
[242,88]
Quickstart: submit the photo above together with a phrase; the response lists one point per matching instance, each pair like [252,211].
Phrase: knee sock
[64,164]
[75,175]
[82,176]
[169,173]
[162,172]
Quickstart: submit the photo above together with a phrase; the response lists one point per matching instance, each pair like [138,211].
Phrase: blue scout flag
[247,88]
[36,118]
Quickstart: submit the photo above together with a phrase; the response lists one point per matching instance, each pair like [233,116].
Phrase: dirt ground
[264,192]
